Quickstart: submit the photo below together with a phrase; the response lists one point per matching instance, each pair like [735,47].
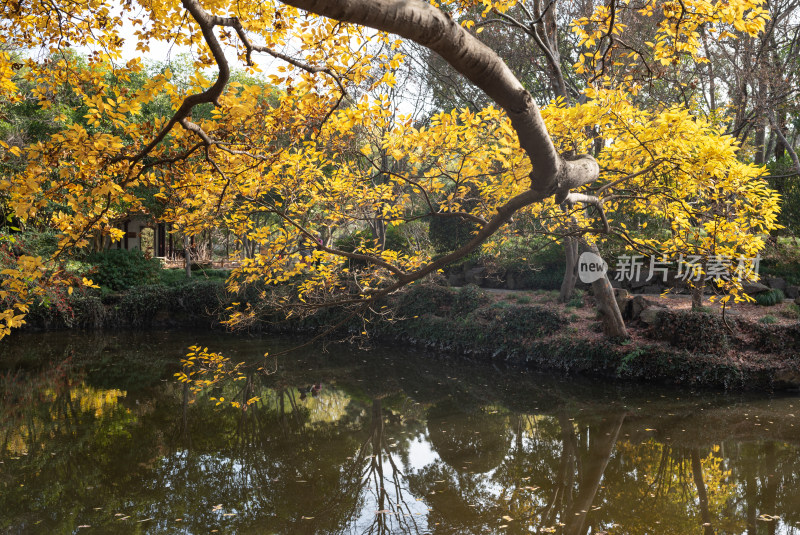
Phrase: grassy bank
[526,329]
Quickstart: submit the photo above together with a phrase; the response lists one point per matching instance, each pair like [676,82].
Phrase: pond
[96,436]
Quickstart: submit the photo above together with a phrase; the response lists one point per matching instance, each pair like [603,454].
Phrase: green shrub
[694,331]
[172,277]
[468,299]
[120,269]
[352,241]
[768,319]
[531,321]
[395,240]
[577,299]
[140,305]
[420,299]
[42,244]
[770,298]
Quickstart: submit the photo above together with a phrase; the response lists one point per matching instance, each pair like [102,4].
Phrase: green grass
[173,277]
[791,312]
[770,298]
[577,299]
[768,319]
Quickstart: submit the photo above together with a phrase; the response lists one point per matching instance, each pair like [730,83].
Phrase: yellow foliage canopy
[330,153]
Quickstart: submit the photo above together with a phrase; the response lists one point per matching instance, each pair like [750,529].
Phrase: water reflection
[400,444]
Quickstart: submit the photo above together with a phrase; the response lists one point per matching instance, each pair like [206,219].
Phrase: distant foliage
[449,233]
[120,269]
[395,240]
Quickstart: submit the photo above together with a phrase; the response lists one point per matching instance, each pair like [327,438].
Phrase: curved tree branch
[430,27]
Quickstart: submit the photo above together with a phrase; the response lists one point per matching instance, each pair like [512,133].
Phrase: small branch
[573,198]
[604,188]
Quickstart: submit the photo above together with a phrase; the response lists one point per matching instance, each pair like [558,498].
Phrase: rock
[622,297]
[637,305]
[753,288]
[776,283]
[792,292]
[476,276]
[653,289]
[797,300]
[650,315]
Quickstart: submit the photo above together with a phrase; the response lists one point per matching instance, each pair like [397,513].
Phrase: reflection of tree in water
[476,441]
[471,441]
[552,477]
[266,466]
[305,472]
[327,464]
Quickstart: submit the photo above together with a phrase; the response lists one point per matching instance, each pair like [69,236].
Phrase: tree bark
[698,289]
[571,272]
[787,146]
[613,324]
[758,143]
[187,247]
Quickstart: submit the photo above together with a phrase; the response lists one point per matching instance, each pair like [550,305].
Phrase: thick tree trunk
[758,143]
[378,227]
[187,251]
[698,290]
[571,272]
[787,146]
[613,324]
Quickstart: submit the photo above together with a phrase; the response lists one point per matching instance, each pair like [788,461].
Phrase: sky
[166,51]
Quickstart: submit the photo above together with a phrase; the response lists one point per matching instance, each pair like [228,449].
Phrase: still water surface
[96,437]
